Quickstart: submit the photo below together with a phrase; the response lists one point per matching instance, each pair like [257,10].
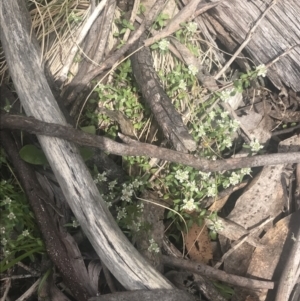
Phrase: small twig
[247,39]
[20,277]
[30,291]
[7,287]
[132,18]
[285,131]
[210,272]
[281,55]
[291,271]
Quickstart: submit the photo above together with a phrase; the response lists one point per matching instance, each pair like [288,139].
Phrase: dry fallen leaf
[198,245]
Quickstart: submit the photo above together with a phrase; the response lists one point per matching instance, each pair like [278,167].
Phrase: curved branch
[132,147]
[23,59]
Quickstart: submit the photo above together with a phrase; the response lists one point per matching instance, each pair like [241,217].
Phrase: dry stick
[132,18]
[182,16]
[202,269]
[291,271]
[65,69]
[7,286]
[30,291]
[247,40]
[132,147]
[281,55]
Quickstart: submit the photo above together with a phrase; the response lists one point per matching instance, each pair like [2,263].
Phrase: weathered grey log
[277,33]
[159,102]
[24,62]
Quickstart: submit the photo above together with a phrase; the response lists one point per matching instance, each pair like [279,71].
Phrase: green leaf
[33,155]
[130,26]
[90,129]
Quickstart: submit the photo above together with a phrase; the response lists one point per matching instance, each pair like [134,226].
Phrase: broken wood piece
[159,102]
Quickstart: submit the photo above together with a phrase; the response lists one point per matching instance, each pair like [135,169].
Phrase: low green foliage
[20,236]
[210,126]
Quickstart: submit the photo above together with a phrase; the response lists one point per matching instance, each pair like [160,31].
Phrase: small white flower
[2,230]
[234,124]
[153,246]
[227,142]
[192,186]
[225,95]
[127,193]
[11,216]
[112,184]
[121,213]
[163,44]
[108,204]
[255,145]
[25,233]
[212,190]
[7,201]
[201,131]
[192,27]
[224,114]
[181,175]
[261,70]
[3,241]
[75,223]
[192,70]
[136,183]
[234,178]
[189,205]
[101,177]
[204,175]
[212,115]
[182,85]
[246,171]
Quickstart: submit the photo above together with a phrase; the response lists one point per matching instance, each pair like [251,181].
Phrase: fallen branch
[210,272]
[135,148]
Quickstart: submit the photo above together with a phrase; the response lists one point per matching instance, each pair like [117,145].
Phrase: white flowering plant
[20,236]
